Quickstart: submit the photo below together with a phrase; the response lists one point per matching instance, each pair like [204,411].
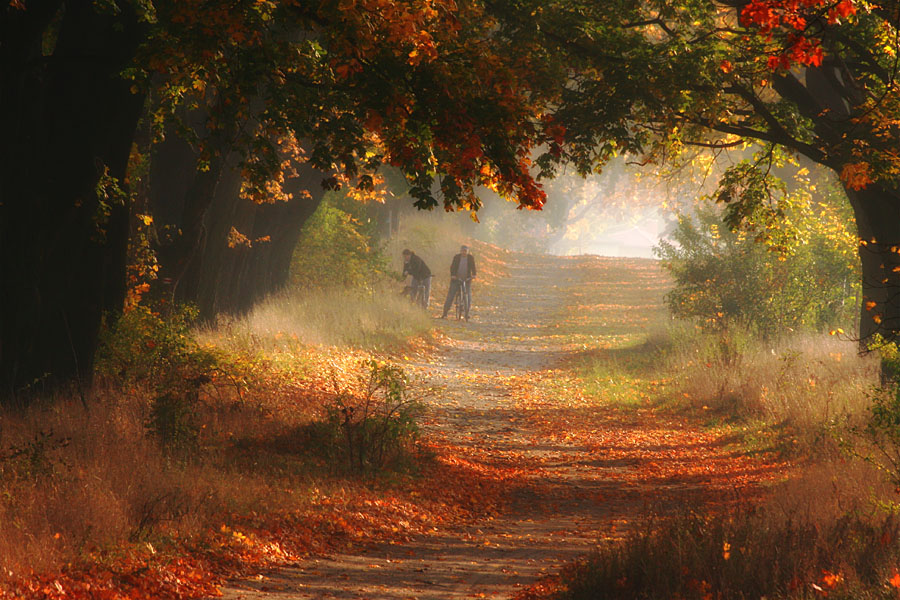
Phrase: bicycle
[461,300]
[416,294]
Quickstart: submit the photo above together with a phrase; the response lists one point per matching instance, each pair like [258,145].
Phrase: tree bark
[274,230]
[69,121]
[877,212]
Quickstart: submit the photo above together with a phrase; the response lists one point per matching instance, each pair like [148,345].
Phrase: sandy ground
[580,495]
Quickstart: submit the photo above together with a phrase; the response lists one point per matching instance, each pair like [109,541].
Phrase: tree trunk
[264,268]
[877,211]
[69,121]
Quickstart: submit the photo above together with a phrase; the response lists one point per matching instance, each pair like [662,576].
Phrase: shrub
[160,354]
[877,439]
[725,278]
[374,430]
[336,249]
[33,458]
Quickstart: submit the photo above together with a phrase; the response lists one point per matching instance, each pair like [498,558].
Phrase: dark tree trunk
[877,211]
[274,230]
[195,213]
[68,120]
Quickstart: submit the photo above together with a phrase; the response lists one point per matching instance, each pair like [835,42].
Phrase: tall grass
[804,382]
[375,318]
[820,550]
[830,531]
[78,479]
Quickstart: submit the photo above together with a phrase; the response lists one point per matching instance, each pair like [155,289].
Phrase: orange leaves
[769,15]
[894,581]
[856,176]
[828,582]
[791,18]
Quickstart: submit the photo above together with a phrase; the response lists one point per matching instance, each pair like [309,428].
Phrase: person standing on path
[421,275]
[461,269]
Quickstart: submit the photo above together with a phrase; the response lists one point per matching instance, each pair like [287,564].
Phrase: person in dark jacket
[461,269]
[421,275]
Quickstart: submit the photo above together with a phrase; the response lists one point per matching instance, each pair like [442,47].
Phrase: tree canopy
[254,90]
[269,98]
[809,77]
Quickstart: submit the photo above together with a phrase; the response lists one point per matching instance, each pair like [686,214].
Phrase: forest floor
[573,470]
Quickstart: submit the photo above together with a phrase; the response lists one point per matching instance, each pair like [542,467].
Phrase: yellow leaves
[877,319]
[726,550]
[870,304]
[836,332]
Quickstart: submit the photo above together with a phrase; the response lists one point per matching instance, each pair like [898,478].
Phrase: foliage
[159,353]
[813,78]
[725,278]
[421,85]
[337,249]
[372,431]
[877,439]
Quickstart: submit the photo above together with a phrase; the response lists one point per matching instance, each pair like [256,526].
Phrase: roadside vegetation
[208,449]
[758,357]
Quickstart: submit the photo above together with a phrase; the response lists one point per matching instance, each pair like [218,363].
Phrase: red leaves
[844,9]
[790,18]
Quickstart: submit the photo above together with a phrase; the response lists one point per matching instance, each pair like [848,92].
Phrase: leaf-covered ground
[531,471]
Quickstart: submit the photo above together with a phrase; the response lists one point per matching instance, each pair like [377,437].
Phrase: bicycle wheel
[459,303]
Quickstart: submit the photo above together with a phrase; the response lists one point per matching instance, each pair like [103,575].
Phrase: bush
[725,278]
[877,439]
[160,354]
[336,249]
[373,431]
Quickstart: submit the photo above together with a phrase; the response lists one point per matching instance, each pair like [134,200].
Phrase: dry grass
[91,479]
[80,479]
[376,318]
[830,530]
[805,382]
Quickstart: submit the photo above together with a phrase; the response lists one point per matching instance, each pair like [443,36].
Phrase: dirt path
[592,468]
